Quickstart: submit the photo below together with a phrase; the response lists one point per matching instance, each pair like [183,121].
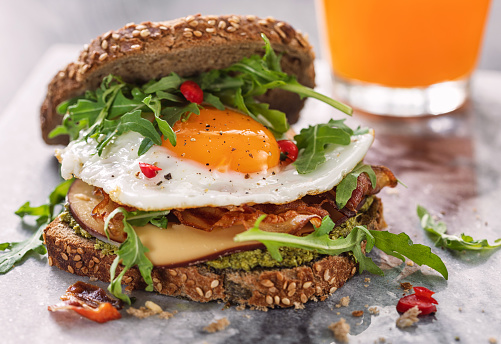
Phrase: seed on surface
[286,301]
[70,269]
[145,33]
[64,255]
[214,284]
[199,291]
[333,289]
[306,285]
[78,265]
[304,298]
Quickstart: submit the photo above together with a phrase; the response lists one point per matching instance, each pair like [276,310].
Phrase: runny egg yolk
[225,141]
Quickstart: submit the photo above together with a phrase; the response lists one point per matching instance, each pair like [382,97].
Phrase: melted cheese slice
[177,245]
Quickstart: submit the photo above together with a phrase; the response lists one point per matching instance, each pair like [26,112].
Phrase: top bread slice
[187,46]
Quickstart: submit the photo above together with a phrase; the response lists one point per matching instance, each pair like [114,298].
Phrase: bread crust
[260,288]
[187,46]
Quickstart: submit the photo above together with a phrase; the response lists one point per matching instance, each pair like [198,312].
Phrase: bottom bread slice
[259,288]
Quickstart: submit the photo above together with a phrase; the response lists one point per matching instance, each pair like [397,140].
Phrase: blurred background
[30,27]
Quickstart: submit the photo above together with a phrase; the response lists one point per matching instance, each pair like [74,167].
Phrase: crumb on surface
[340,330]
[217,325]
[409,263]
[366,285]
[150,309]
[492,340]
[358,313]
[92,278]
[367,279]
[406,286]
[345,301]
[409,318]
[374,311]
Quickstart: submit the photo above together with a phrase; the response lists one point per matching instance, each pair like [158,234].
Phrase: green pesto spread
[104,247]
[292,257]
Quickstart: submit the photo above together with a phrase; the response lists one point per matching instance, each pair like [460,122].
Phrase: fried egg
[222,158]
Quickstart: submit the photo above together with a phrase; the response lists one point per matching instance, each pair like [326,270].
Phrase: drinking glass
[403,57]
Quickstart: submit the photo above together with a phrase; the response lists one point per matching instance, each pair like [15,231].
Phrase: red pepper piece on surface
[288,151]
[149,170]
[421,298]
[192,92]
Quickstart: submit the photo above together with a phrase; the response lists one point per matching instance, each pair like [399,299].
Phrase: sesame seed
[269,299]
[77,258]
[156,280]
[281,33]
[353,271]
[136,33]
[211,22]
[78,265]
[188,34]
[189,18]
[193,23]
[145,33]
[152,306]
[95,259]
[318,267]
[214,284]
[80,250]
[197,33]
[251,18]
[291,292]
[333,289]
[85,270]
[135,47]
[304,298]
[91,264]
[285,285]
[184,278]
[96,268]
[159,287]
[231,29]
[85,67]
[327,275]
[234,19]
[210,29]
[280,277]
[286,301]
[115,36]
[162,28]
[211,16]
[208,294]
[292,286]
[103,56]
[70,269]
[141,27]
[267,283]
[50,261]
[172,272]
[107,35]
[64,255]
[235,25]
[104,45]
[262,22]
[276,299]
[199,291]
[222,25]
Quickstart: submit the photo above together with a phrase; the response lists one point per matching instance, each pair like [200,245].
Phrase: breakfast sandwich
[187,177]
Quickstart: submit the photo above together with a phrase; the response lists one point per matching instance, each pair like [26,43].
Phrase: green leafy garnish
[117,107]
[319,241]
[313,140]
[437,231]
[349,183]
[44,215]
[130,253]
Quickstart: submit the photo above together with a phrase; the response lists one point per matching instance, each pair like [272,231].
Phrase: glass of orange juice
[403,57]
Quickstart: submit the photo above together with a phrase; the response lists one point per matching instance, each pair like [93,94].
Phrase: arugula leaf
[400,245]
[130,253]
[45,214]
[313,140]
[349,183]
[395,245]
[437,230]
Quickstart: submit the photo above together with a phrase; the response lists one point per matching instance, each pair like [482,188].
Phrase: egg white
[192,185]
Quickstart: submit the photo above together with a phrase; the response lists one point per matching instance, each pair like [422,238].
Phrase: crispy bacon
[290,217]
[284,218]
[89,301]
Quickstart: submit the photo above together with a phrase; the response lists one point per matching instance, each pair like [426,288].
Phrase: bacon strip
[89,301]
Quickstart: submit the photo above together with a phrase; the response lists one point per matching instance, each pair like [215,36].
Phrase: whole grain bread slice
[187,46]
[259,288]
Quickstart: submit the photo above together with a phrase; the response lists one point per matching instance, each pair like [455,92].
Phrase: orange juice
[404,43]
